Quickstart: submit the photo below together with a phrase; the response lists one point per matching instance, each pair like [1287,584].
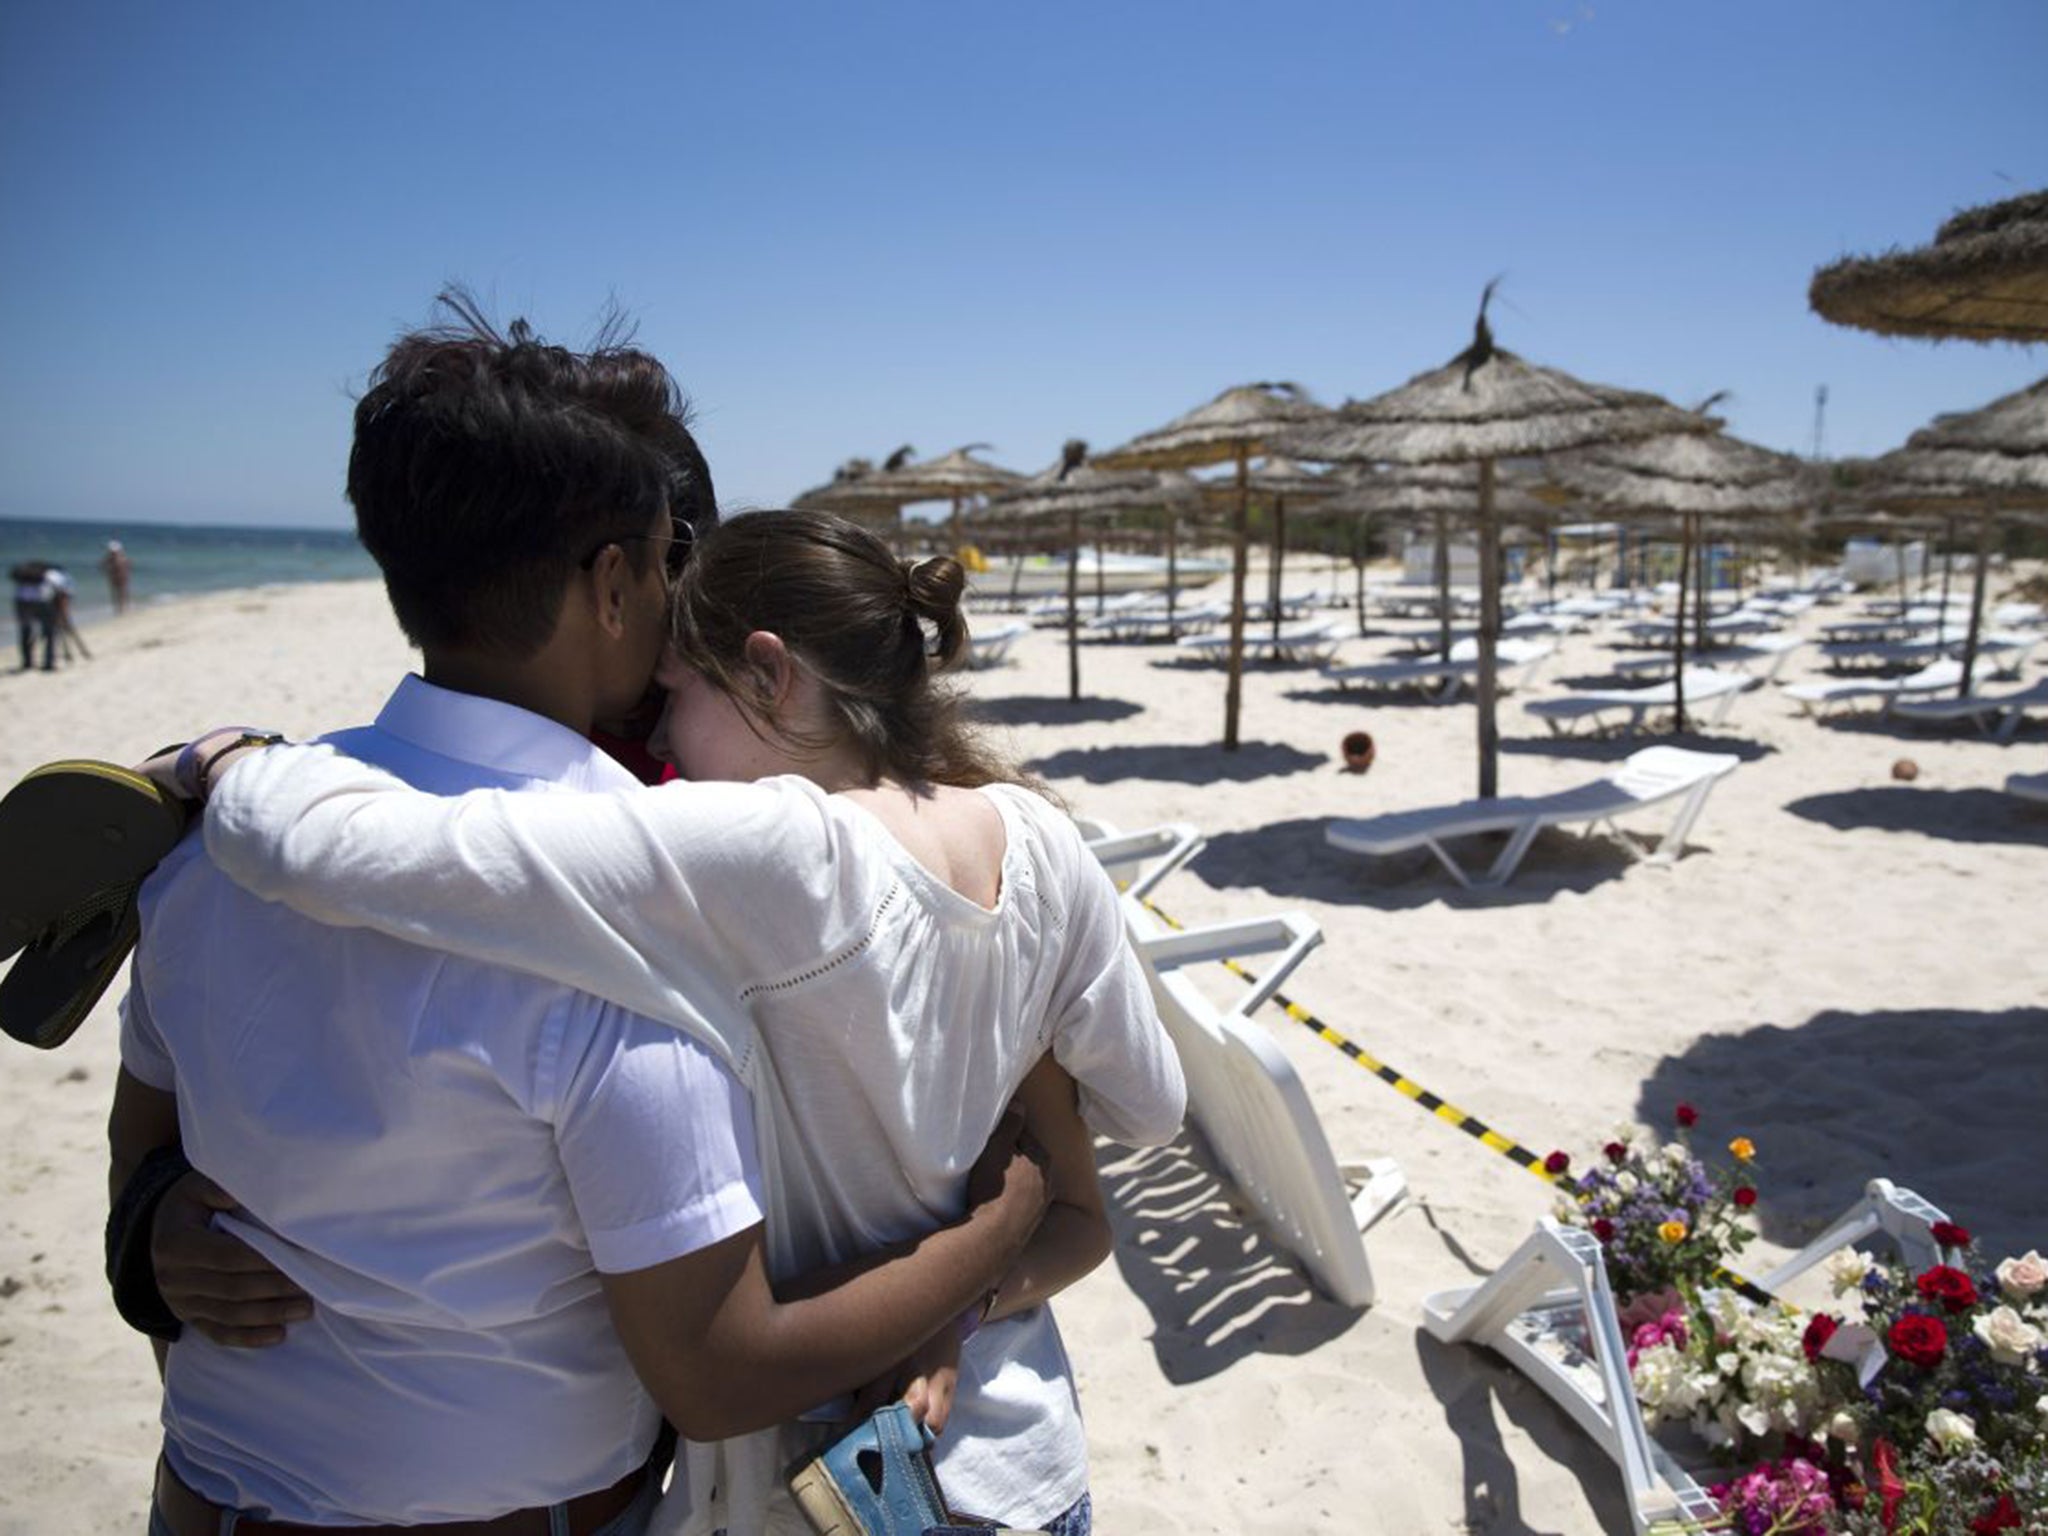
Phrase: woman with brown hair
[884,929]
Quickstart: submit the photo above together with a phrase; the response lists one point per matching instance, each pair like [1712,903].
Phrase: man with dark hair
[527,1223]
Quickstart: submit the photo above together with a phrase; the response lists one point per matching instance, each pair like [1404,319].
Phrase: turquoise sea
[176,560]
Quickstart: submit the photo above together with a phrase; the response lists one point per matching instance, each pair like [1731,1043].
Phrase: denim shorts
[630,1521]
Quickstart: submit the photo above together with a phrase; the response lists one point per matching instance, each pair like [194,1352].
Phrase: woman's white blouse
[881,1020]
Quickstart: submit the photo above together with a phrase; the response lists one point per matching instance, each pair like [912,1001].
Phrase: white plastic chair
[1703,685]
[1243,1093]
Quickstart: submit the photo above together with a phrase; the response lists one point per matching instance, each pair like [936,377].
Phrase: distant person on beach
[35,612]
[520,1225]
[908,936]
[117,566]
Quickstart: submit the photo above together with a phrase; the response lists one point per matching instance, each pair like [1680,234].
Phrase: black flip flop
[77,840]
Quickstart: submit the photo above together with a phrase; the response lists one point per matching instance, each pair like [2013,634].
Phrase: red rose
[1818,1332]
[1951,1287]
[1744,1196]
[1603,1229]
[1556,1163]
[1686,1116]
[1919,1340]
[1949,1235]
[1616,1152]
[2002,1516]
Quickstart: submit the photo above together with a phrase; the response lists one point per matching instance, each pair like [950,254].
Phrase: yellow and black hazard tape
[1514,1151]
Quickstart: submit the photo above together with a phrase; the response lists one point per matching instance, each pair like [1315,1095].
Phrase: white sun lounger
[1515,663]
[1997,715]
[2029,786]
[992,647]
[1243,1093]
[1820,698]
[1155,623]
[1762,658]
[1644,779]
[1312,642]
[1703,685]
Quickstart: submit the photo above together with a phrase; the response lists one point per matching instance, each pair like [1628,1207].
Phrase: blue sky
[848,227]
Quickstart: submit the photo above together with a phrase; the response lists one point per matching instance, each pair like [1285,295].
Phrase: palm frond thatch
[1984,278]
[1242,421]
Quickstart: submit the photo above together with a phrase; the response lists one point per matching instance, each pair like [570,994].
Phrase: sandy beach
[1843,967]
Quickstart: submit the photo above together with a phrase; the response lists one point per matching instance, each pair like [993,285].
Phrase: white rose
[2011,1337]
[1846,1270]
[1626,1182]
[1843,1427]
[1566,1210]
[2024,1276]
[1675,1156]
[1950,1430]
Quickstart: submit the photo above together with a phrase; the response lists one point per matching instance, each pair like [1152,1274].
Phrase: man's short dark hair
[486,466]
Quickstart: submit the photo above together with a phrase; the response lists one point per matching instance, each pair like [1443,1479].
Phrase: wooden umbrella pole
[1489,633]
[1074,605]
[1550,563]
[1172,566]
[1948,558]
[1233,688]
[1360,547]
[1678,626]
[1272,580]
[1976,603]
[1443,584]
[1700,608]
[953,527]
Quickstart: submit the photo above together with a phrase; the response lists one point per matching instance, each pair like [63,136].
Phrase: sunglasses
[682,539]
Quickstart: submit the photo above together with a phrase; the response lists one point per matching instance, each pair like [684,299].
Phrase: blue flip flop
[77,839]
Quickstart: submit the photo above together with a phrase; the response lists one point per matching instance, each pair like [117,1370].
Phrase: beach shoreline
[1842,968]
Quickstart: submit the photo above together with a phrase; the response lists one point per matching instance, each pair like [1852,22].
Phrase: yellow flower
[1672,1231]
[1743,1148]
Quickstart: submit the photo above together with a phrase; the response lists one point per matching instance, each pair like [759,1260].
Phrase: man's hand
[214,1282]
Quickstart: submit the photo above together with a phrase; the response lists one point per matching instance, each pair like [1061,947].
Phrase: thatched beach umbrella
[1696,476]
[1986,464]
[1487,404]
[857,490]
[1238,426]
[1985,278]
[955,477]
[1072,489]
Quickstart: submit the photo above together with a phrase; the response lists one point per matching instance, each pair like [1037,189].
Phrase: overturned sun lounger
[1644,779]
[1997,715]
[1243,1093]
[1596,706]
[1549,1312]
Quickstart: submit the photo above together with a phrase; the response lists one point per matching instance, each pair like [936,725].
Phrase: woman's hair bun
[935,587]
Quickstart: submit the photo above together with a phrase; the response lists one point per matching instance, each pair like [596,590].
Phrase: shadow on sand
[1217,1287]
[1033,709]
[1612,749]
[1469,1384]
[1204,764]
[1946,1102]
[1959,815]
[1292,858]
